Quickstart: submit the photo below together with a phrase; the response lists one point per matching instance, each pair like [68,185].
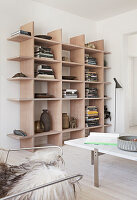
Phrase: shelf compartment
[69,47]
[40,41]
[19,38]
[70,64]
[20,58]
[75,85]
[52,88]
[33,136]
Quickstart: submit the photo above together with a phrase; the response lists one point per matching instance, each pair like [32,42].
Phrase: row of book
[91,116]
[91,92]
[91,76]
[70,93]
[90,60]
[44,71]
[43,52]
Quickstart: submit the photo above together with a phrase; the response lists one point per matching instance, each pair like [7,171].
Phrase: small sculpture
[107,114]
[19,75]
[46,120]
[73,122]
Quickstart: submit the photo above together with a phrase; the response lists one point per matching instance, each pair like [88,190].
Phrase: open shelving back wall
[31,108]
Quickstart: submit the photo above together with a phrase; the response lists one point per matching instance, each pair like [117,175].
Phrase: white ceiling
[93,9]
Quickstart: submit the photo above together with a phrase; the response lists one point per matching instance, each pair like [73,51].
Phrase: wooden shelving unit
[31,108]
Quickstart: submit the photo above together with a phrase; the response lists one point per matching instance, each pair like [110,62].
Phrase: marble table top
[106,149]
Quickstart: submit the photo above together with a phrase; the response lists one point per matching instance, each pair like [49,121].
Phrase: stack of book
[90,60]
[91,76]
[21,32]
[44,71]
[91,92]
[40,52]
[70,93]
[91,116]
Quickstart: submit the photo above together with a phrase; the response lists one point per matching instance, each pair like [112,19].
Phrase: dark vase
[46,120]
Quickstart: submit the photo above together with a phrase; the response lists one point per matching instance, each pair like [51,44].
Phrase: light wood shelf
[93,82]
[47,80]
[30,107]
[33,136]
[71,81]
[20,58]
[93,127]
[92,66]
[69,47]
[46,60]
[33,99]
[19,38]
[99,98]
[70,64]
[71,99]
[90,50]
[71,130]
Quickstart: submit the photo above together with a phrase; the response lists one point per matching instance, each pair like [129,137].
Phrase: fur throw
[40,169]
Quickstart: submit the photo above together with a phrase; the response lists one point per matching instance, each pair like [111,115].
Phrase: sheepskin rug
[39,169]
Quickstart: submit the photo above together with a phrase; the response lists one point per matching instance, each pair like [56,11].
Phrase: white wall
[114,31]
[132,56]
[14,13]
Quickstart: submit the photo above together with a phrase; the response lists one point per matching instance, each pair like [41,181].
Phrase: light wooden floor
[118,177]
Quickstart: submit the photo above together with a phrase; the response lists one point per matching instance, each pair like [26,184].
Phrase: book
[22,32]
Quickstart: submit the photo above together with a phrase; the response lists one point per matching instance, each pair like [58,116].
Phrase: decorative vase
[46,120]
[65,121]
[39,128]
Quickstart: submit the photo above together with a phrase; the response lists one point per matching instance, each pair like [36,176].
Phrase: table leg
[92,157]
[96,168]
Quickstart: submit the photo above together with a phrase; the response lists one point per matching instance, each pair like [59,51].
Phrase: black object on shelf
[69,77]
[47,37]
[43,95]
[45,119]
[91,92]
[117,86]
[19,133]
[107,114]
[21,32]
[19,75]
